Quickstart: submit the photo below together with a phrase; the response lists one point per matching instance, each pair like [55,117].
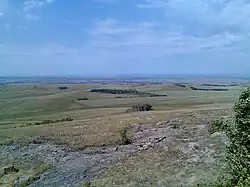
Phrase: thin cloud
[112,34]
[12,54]
[30,7]
[204,17]
[32,17]
[7,25]
[105,1]
[49,1]
[70,22]
[33,4]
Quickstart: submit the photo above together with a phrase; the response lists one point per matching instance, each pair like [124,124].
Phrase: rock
[162,123]
[24,154]
[216,134]
[35,178]
[194,146]
[139,129]
[194,158]
[191,114]
[22,181]
[159,139]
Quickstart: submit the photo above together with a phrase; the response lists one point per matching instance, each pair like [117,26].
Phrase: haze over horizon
[118,37]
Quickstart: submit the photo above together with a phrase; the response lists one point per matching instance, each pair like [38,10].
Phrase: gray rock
[22,180]
[162,123]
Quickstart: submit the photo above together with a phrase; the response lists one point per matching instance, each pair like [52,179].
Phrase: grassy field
[101,116]
[98,121]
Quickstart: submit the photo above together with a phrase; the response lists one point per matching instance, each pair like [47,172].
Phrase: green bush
[87,184]
[124,138]
[239,135]
[238,151]
[215,126]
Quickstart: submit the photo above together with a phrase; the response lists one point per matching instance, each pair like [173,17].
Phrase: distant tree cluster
[220,85]
[121,91]
[82,99]
[115,91]
[62,88]
[181,85]
[209,89]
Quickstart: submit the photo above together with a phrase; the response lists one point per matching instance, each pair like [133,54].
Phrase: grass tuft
[124,137]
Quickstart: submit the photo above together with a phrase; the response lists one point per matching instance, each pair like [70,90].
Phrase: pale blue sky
[116,37]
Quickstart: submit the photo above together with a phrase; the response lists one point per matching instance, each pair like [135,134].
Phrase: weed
[216,125]
[87,184]
[124,137]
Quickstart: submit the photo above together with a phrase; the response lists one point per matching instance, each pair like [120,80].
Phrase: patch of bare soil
[185,132]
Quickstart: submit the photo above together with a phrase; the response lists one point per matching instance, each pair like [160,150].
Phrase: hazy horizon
[133,77]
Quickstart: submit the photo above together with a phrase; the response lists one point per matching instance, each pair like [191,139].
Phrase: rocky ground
[188,137]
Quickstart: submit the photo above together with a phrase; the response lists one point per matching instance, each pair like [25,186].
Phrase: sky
[122,37]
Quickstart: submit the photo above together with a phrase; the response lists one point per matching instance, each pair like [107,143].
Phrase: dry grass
[101,126]
[98,120]
[173,163]
[31,173]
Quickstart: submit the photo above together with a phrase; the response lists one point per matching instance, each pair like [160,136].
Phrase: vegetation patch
[12,176]
[124,137]
[220,85]
[209,89]
[140,107]
[216,125]
[82,99]
[130,91]
[181,85]
[238,151]
[50,121]
[8,170]
[62,88]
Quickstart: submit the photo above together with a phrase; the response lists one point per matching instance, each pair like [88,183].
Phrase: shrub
[215,126]
[87,184]
[176,125]
[239,135]
[124,138]
[48,121]
[238,152]
[141,107]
